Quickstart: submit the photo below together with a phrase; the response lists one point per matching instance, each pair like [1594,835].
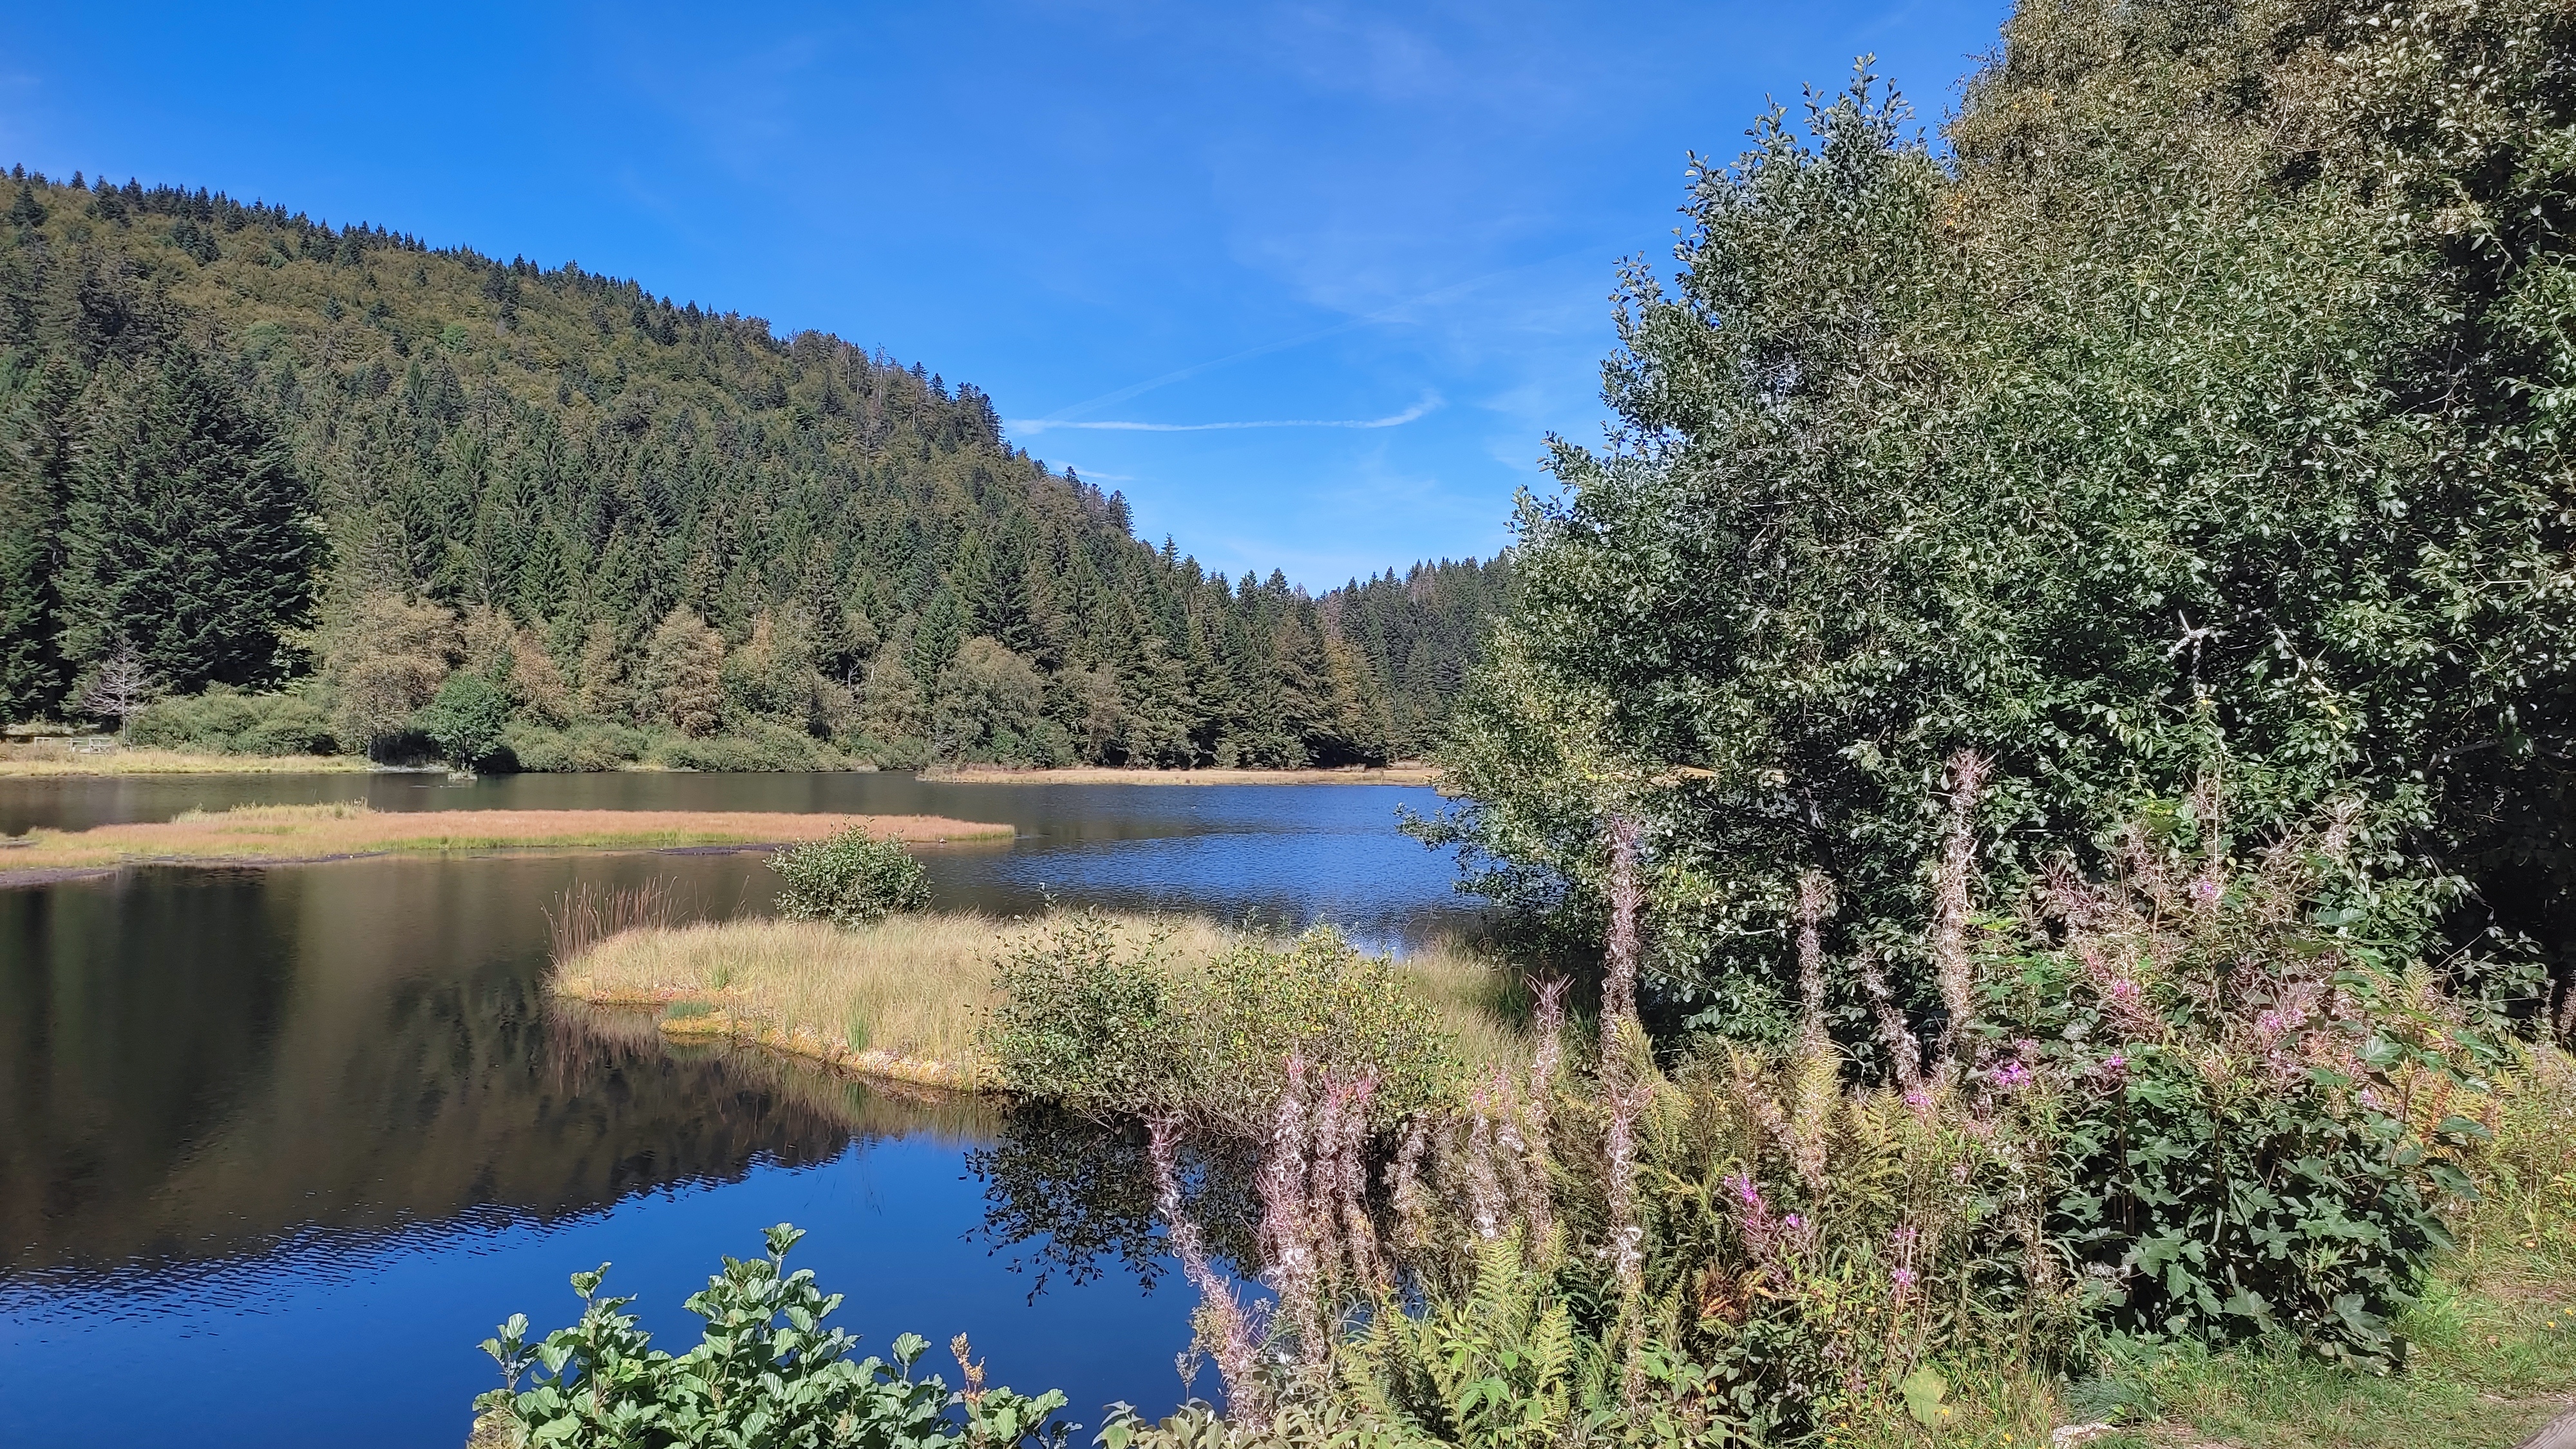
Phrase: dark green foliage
[765,1371]
[466,720]
[1421,633]
[36,438]
[850,880]
[586,459]
[227,721]
[185,528]
[2205,401]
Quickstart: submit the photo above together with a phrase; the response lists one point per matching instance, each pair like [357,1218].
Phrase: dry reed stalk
[1893,1033]
[1341,1176]
[1628,1234]
[1815,903]
[1220,1322]
[1290,1239]
[1404,1186]
[1485,1201]
[1619,979]
[1953,879]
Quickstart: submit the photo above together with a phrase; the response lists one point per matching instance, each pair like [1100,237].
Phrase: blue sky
[1385,235]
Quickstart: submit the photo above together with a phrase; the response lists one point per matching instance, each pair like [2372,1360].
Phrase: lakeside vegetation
[913,996]
[48,758]
[279,833]
[269,485]
[1400,773]
[2046,731]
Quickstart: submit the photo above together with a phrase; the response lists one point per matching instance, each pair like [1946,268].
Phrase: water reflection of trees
[1064,1194]
[198,1067]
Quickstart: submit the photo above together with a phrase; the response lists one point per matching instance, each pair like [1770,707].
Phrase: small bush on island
[765,1372]
[1105,1025]
[851,879]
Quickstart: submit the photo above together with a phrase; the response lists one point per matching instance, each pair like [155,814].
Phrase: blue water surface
[279,1146]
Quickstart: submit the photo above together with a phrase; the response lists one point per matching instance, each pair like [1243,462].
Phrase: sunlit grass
[311,832]
[908,996]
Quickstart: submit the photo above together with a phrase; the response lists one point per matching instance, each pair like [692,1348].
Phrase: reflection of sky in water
[330,1330]
[306,1135]
[1333,855]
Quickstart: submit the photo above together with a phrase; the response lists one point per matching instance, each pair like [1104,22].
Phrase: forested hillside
[314,487]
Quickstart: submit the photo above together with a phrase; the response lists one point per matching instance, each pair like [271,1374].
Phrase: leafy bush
[2255,1119]
[765,1372]
[1104,1025]
[850,880]
[465,720]
[580,749]
[754,746]
[227,721]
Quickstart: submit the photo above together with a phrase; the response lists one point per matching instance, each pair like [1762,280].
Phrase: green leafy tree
[465,719]
[2197,412]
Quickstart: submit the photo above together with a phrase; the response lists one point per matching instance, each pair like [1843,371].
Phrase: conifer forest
[320,489]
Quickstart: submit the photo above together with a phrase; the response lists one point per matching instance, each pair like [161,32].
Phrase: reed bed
[908,997]
[255,833]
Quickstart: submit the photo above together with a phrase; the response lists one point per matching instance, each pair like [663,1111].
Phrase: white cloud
[1429,402]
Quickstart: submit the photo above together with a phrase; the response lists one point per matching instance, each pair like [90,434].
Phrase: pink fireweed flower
[2011,1076]
[2206,890]
[1902,1279]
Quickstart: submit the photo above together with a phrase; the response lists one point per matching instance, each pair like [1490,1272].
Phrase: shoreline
[21,762]
[1400,774]
[314,834]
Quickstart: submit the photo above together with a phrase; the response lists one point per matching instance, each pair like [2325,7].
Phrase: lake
[279,1146]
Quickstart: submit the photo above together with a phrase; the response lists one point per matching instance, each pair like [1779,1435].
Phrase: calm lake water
[279,1146]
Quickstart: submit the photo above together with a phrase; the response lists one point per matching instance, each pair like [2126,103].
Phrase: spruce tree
[187,529]
[35,461]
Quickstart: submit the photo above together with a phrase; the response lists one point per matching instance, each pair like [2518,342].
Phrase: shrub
[2255,1118]
[465,720]
[1105,1025]
[765,1372]
[1088,1019]
[851,879]
[583,748]
[754,747]
[227,721]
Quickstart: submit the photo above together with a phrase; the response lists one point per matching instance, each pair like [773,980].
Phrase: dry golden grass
[905,998]
[1401,774]
[314,832]
[47,758]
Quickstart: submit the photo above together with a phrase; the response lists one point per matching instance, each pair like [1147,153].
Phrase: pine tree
[35,466]
[187,529]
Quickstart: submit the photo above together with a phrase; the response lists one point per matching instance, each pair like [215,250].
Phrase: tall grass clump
[586,913]
[850,879]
